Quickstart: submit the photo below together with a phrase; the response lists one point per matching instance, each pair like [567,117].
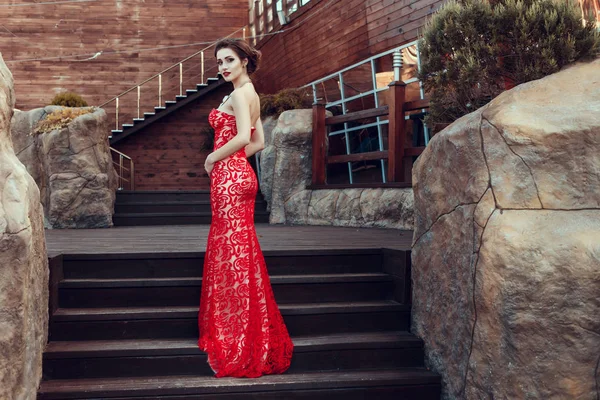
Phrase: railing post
[202,67]
[138,101]
[319,145]
[181,79]
[160,90]
[117,113]
[396,130]
[132,175]
[120,172]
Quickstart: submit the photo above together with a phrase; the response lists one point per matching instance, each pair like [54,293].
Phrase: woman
[241,328]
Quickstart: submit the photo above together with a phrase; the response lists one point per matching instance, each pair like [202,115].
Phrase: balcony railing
[399,156]
[265,15]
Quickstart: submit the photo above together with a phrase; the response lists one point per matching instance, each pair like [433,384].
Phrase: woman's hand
[209,164]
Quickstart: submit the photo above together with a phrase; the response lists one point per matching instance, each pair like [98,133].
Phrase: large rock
[72,167]
[286,168]
[23,265]
[292,139]
[506,254]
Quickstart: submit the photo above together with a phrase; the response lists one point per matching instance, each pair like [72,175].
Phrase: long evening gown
[241,328]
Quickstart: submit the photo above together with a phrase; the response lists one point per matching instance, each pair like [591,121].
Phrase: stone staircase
[136,208]
[124,326]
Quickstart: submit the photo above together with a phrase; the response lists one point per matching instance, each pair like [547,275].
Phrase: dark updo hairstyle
[243,50]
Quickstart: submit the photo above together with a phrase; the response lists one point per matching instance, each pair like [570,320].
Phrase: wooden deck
[192,238]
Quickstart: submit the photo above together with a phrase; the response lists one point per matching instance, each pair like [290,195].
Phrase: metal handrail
[118,100]
[122,168]
[169,68]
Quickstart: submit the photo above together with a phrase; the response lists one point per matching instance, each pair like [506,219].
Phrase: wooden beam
[416,105]
[396,135]
[319,145]
[373,155]
[353,116]
[413,151]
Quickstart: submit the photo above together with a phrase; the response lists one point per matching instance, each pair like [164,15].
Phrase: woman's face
[230,65]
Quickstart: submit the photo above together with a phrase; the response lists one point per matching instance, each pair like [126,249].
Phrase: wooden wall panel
[124,31]
[326,36]
[170,154]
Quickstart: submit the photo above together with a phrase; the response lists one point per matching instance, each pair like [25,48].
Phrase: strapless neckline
[223,112]
[229,115]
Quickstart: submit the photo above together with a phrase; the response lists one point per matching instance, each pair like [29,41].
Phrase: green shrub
[286,99]
[68,99]
[472,50]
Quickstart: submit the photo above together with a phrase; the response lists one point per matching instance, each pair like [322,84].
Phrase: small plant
[68,99]
[60,118]
[472,50]
[286,99]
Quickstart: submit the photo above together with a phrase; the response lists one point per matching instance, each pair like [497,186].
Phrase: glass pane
[358,80]
[337,145]
[329,90]
[360,104]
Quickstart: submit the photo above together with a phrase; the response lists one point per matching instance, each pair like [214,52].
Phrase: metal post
[379,134]
[181,79]
[120,172]
[397,63]
[138,101]
[202,67]
[422,93]
[132,177]
[343,98]
[160,90]
[117,113]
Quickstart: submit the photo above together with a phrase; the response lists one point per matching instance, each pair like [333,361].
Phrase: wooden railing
[398,155]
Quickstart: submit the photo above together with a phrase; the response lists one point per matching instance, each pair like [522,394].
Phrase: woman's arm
[241,109]
[257,141]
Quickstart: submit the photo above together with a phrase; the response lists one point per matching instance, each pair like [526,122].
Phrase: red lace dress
[241,328]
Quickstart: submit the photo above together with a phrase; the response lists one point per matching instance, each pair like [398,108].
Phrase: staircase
[136,208]
[169,107]
[124,326]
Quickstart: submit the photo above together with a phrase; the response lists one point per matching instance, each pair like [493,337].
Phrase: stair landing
[192,238]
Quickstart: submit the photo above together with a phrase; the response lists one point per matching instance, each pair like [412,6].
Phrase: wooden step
[162,195]
[146,219]
[173,265]
[182,322]
[146,207]
[105,359]
[148,292]
[407,384]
